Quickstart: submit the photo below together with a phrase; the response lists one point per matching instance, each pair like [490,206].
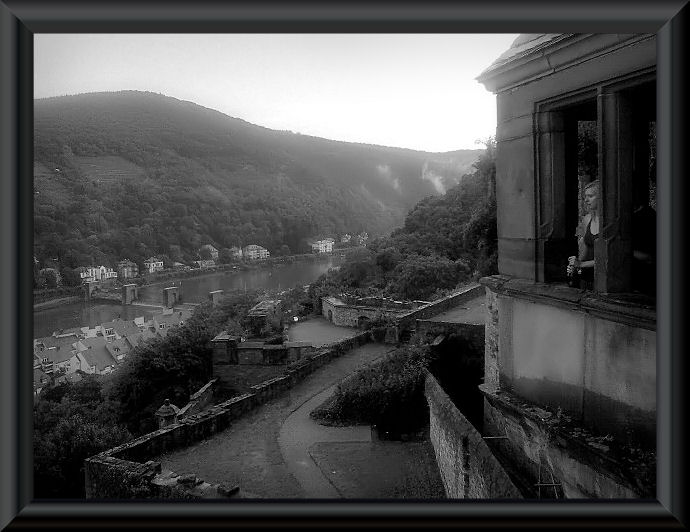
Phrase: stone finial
[167,414]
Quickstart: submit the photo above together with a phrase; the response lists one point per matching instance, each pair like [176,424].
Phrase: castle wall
[109,473]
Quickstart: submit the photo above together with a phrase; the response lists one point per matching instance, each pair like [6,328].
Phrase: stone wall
[108,473]
[113,478]
[344,315]
[568,349]
[407,321]
[468,468]
[541,444]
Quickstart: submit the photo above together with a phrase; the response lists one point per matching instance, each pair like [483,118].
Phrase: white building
[254,252]
[323,246]
[153,265]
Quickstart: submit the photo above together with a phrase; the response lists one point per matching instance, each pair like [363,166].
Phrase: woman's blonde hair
[594,183]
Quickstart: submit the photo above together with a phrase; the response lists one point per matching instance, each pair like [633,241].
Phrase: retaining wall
[468,468]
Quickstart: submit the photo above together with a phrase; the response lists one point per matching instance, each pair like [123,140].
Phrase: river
[193,290]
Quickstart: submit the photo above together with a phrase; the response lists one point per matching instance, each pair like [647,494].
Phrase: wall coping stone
[607,306]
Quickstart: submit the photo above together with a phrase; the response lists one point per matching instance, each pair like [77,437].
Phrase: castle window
[607,133]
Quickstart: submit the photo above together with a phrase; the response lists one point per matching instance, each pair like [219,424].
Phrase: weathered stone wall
[112,478]
[539,444]
[109,472]
[251,355]
[468,468]
[564,348]
[407,321]
[349,315]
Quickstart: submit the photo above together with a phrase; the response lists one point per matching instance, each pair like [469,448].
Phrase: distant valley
[134,174]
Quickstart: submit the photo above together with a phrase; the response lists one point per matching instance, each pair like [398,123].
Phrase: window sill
[630,309]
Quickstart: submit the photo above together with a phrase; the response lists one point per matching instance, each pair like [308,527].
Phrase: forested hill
[134,174]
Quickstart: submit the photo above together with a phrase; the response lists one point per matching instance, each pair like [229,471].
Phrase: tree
[70,276]
[419,276]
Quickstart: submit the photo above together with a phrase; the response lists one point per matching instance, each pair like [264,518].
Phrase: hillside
[133,174]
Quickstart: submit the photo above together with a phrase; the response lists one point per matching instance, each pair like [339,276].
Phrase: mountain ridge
[205,177]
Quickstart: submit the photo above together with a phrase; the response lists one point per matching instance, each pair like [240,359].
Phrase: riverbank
[53,303]
[272,262]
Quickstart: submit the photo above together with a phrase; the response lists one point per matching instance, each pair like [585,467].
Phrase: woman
[583,264]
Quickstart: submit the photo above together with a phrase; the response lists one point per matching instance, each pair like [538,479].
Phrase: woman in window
[582,266]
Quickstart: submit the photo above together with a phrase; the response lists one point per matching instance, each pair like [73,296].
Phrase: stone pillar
[129,293]
[215,297]
[167,414]
[170,296]
[613,248]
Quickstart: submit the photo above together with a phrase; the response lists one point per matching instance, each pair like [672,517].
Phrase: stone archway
[362,321]
[330,315]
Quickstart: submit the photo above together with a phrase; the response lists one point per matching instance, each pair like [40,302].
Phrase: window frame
[613,248]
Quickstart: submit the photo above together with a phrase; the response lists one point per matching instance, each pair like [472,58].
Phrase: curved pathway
[248,453]
[299,433]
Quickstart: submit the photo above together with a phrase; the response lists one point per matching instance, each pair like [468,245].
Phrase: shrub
[389,393]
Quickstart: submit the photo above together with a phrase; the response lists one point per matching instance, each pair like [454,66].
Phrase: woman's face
[591,198]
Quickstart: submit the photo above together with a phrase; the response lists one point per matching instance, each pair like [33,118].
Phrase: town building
[323,246]
[91,355]
[362,238]
[163,321]
[255,252]
[570,374]
[96,273]
[345,239]
[127,269]
[236,252]
[153,265]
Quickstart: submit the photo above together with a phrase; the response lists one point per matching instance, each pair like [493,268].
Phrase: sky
[414,91]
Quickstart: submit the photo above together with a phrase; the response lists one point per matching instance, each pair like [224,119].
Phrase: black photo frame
[20,19]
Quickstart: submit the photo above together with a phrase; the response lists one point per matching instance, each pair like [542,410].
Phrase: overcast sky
[411,91]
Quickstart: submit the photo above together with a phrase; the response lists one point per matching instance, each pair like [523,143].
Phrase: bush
[388,394]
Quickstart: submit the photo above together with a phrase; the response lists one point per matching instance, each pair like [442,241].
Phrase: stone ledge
[610,307]
[602,453]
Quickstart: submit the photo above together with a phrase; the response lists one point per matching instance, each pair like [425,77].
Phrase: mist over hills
[134,174]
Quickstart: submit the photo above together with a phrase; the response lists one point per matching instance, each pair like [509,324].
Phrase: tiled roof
[125,327]
[96,353]
[523,45]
